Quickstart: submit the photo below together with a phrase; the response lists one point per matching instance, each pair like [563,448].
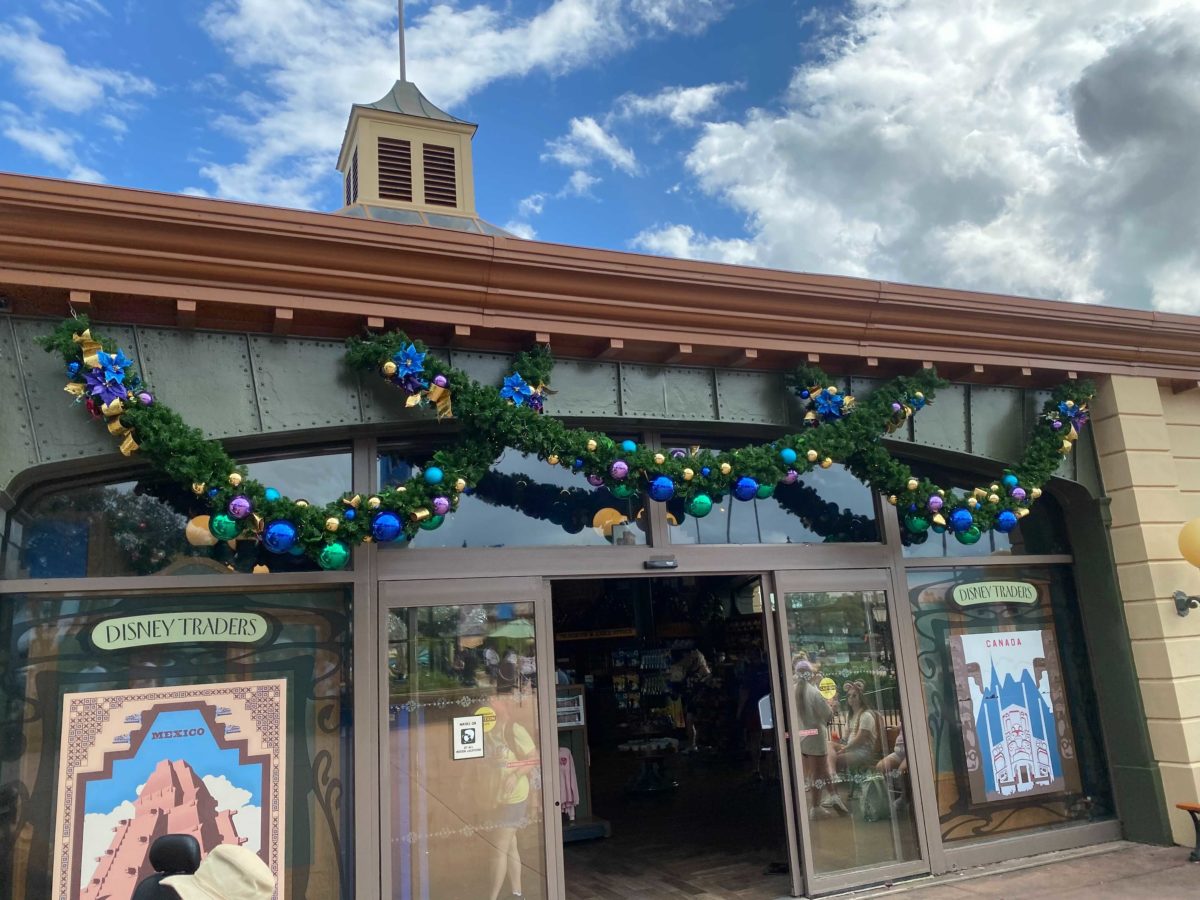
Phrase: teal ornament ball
[970,536]
[1010,481]
[433,475]
[628,446]
[271,495]
[432,523]
[279,536]
[622,491]
[916,524]
[764,491]
[788,455]
[333,555]
[662,488]
[224,527]
[699,506]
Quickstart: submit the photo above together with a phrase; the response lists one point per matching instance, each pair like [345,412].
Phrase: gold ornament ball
[688,474]
[198,488]
[918,395]
[941,493]
[389,368]
[972,502]
[993,498]
[332,523]
[591,446]
[552,459]
[302,503]
[659,459]
[726,468]
[373,503]
[460,484]
[812,455]
[1035,493]
[993,488]
[826,463]
[235,478]
[832,389]
[892,500]
[1069,404]
[913,484]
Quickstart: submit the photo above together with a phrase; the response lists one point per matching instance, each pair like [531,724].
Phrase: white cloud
[313,58]
[587,141]
[98,836]
[682,105]
[70,11]
[531,205]
[521,229]
[1049,149]
[247,819]
[580,184]
[52,145]
[51,79]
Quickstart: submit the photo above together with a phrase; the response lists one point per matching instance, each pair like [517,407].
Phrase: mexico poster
[206,760]
[1012,709]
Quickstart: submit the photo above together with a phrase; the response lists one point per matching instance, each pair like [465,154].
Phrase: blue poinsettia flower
[1075,414]
[829,406]
[409,361]
[113,365]
[516,390]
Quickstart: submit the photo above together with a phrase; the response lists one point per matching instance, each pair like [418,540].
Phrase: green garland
[837,429]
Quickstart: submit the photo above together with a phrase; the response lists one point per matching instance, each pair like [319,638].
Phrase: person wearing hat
[229,872]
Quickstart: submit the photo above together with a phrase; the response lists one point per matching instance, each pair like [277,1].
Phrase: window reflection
[141,527]
[523,502]
[826,506]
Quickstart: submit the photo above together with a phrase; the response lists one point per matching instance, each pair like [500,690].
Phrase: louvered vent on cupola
[441,180]
[395,169]
[352,180]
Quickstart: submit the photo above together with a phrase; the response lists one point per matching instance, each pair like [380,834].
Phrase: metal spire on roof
[403,76]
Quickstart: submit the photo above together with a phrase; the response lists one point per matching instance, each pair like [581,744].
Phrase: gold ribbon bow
[89,347]
[440,398]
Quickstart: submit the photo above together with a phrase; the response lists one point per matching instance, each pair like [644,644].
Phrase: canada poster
[205,760]
[1012,707]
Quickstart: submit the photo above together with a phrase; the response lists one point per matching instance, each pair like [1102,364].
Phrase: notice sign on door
[468,737]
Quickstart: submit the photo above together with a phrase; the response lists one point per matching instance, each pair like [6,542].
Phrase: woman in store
[815,714]
[861,743]
[513,752]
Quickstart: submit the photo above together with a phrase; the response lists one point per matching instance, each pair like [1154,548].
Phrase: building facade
[351,723]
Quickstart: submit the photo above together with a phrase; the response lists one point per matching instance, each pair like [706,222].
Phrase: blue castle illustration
[1017,737]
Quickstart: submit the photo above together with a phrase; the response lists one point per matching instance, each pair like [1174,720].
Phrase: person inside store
[815,715]
[862,740]
[513,754]
[691,674]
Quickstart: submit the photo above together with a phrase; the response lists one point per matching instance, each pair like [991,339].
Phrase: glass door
[464,780]
[859,816]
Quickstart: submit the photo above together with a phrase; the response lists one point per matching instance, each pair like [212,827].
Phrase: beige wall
[1148,438]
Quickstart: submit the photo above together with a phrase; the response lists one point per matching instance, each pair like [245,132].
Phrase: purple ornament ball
[441,505]
[1018,494]
[935,503]
[595,480]
[239,506]
[678,453]
[144,398]
[1056,425]
[896,407]
[619,469]
[440,381]
[791,476]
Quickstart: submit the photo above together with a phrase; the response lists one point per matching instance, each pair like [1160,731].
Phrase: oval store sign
[179,628]
[980,592]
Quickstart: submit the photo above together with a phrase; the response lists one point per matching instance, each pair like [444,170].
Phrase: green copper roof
[406,98]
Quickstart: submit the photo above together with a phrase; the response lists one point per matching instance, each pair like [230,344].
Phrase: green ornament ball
[916,524]
[432,523]
[699,506]
[224,527]
[970,536]
[764,491]
[333,555]
[622,491]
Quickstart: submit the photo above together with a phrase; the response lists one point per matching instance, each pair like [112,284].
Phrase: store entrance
[670,775]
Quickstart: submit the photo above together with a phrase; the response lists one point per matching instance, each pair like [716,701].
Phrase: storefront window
[826,506]
[142,527]
[126,717]
[1010,706]
[523,502]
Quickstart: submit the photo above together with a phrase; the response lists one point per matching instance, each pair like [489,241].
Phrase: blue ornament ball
[579,464]
[628,446]
[271,494]
[705,471]
[386,527]
[350,513]
[433,475]
[788,455]
[961,520]
[73,369]
[805,394]
[662,488]
[1006,521]
[280,536]
[745,488]
[1010,481]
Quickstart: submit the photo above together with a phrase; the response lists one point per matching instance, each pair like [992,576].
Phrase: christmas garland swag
[837,428]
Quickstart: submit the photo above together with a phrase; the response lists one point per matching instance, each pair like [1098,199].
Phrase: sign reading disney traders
[179,628]
[980,592]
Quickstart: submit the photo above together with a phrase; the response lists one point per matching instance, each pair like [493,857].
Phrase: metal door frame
[911,704]
[473,592]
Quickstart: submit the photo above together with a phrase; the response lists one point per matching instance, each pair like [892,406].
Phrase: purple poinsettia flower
[102,389]
[411,383]
[537,401]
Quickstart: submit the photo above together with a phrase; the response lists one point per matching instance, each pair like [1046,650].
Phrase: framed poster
[1012,707]
[206,760]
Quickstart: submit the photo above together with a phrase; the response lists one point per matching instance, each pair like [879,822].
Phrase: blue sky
[1043,149]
